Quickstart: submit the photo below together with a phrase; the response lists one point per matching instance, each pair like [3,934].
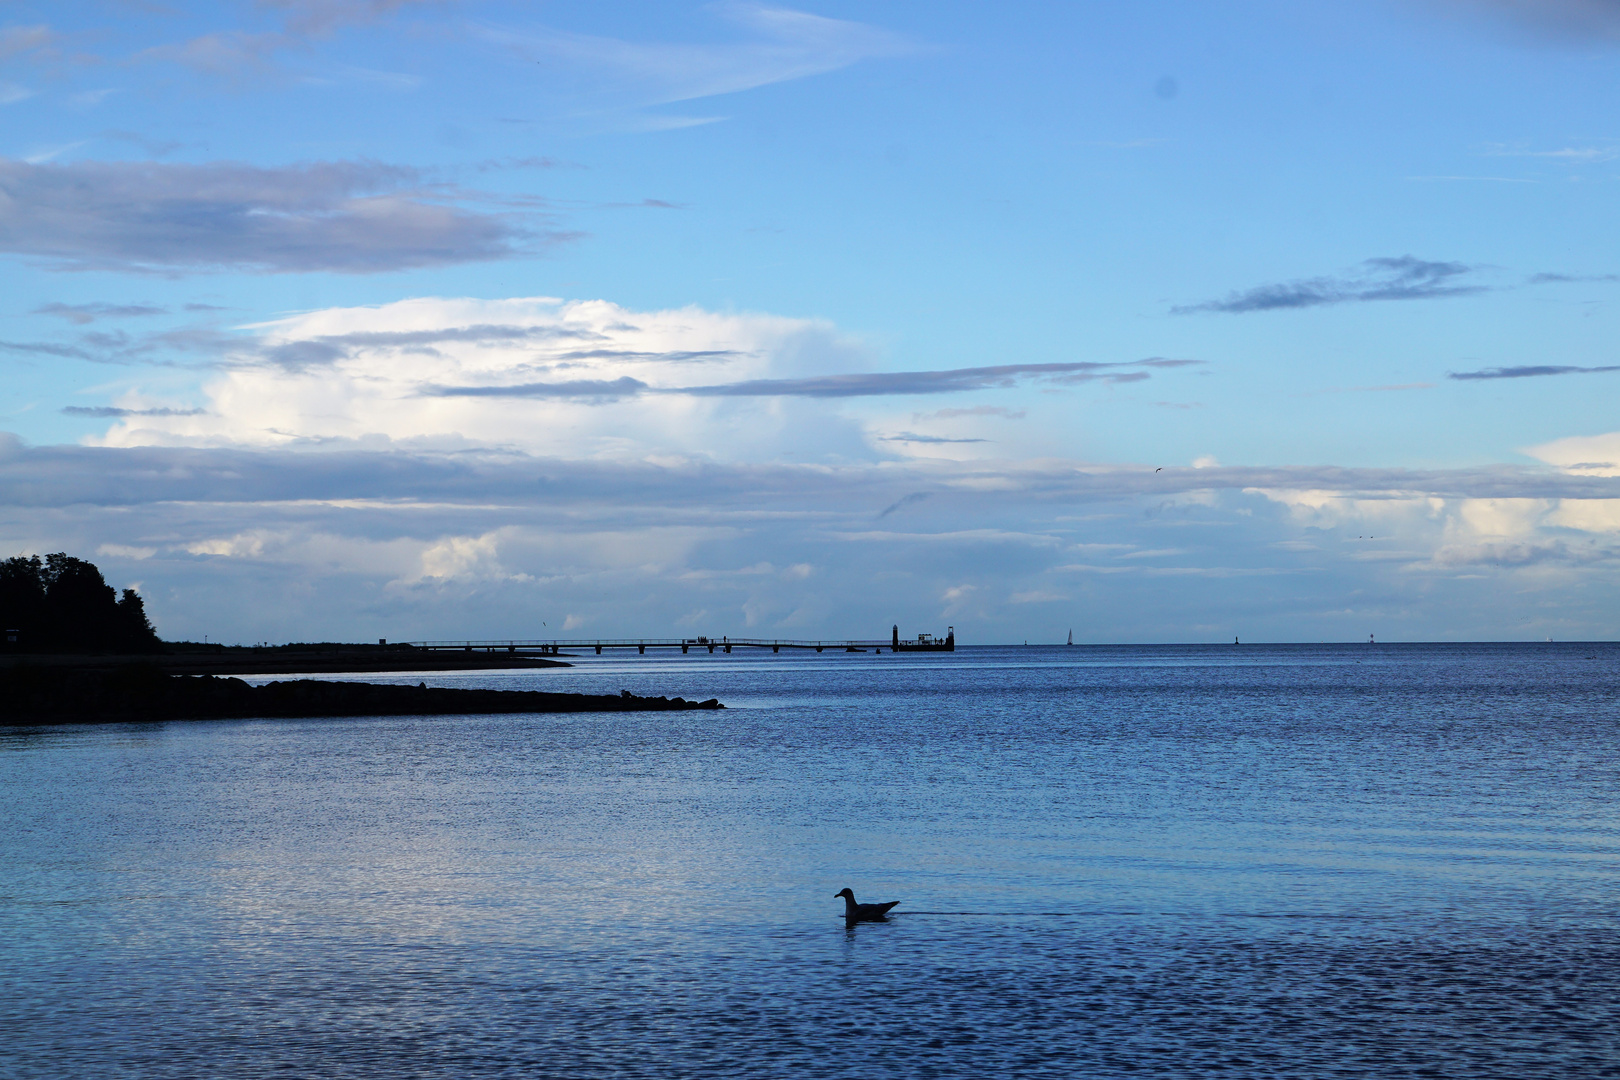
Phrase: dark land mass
[196,658]
[33,695]
[59,612]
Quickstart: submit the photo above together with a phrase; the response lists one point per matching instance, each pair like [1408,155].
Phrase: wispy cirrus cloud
[346,217]
[17,40]
[1569,279]
[1528,371]
[234,55]
[1571,21]
[321,17]
[1404,277]
[858,384]
[590,389]
[783,45]
[112,412]
[83,314]
[241,55]
[917,437]
[48,348]
[972,410]
[1571,155]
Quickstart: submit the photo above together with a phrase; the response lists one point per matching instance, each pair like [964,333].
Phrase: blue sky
[1162,321]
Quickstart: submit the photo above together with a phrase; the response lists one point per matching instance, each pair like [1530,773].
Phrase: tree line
[63,604]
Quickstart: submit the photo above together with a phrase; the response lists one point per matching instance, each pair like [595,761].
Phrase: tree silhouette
[63,604]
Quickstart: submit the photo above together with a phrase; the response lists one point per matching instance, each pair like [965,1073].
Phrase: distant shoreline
[190,659]
[34,696]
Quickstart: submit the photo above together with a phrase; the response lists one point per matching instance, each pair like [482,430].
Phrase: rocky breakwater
[56,696]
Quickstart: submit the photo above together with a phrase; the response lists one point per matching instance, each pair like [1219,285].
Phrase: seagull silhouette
[854,913]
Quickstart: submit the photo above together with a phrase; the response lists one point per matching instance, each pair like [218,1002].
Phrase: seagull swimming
[854,912]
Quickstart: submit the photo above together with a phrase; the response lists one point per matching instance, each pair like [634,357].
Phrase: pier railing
[552,646]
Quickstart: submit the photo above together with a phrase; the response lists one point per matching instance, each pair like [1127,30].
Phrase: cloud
[1562,279]
[785,45]
[1573,155]
[108,412]
[531,373]
[48,348]
[403,542]
[1530,371]
[345,217]
[89,99]
[1483,179]
[322,17]
[230,54]
[1571,21]
[594,389]
[123,551]
[947,381]
[1403,278]
[314,475]
[913,437]
[237,55]
[1379,389]
[464,557]
[81,314]
[884,384]
[1038,596]
[1591,455]
[16,40]
[399,475]
[156,148]
[975,410]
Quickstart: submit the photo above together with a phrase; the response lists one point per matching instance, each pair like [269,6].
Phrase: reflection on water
[1333,861]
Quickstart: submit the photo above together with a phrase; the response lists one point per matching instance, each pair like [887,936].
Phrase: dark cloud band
[1401,278]
[954,380]
[1530,371]
[111,412]
[66,475]
[347,217]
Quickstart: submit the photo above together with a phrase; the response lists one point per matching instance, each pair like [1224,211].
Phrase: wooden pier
[556,646]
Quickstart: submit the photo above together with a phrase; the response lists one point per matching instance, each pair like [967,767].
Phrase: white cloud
[463,557]
[320,473]
[370,376]
[239,546]
[125,551]
[1589,455]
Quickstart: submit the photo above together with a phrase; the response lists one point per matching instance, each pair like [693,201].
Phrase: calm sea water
[1328,861]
